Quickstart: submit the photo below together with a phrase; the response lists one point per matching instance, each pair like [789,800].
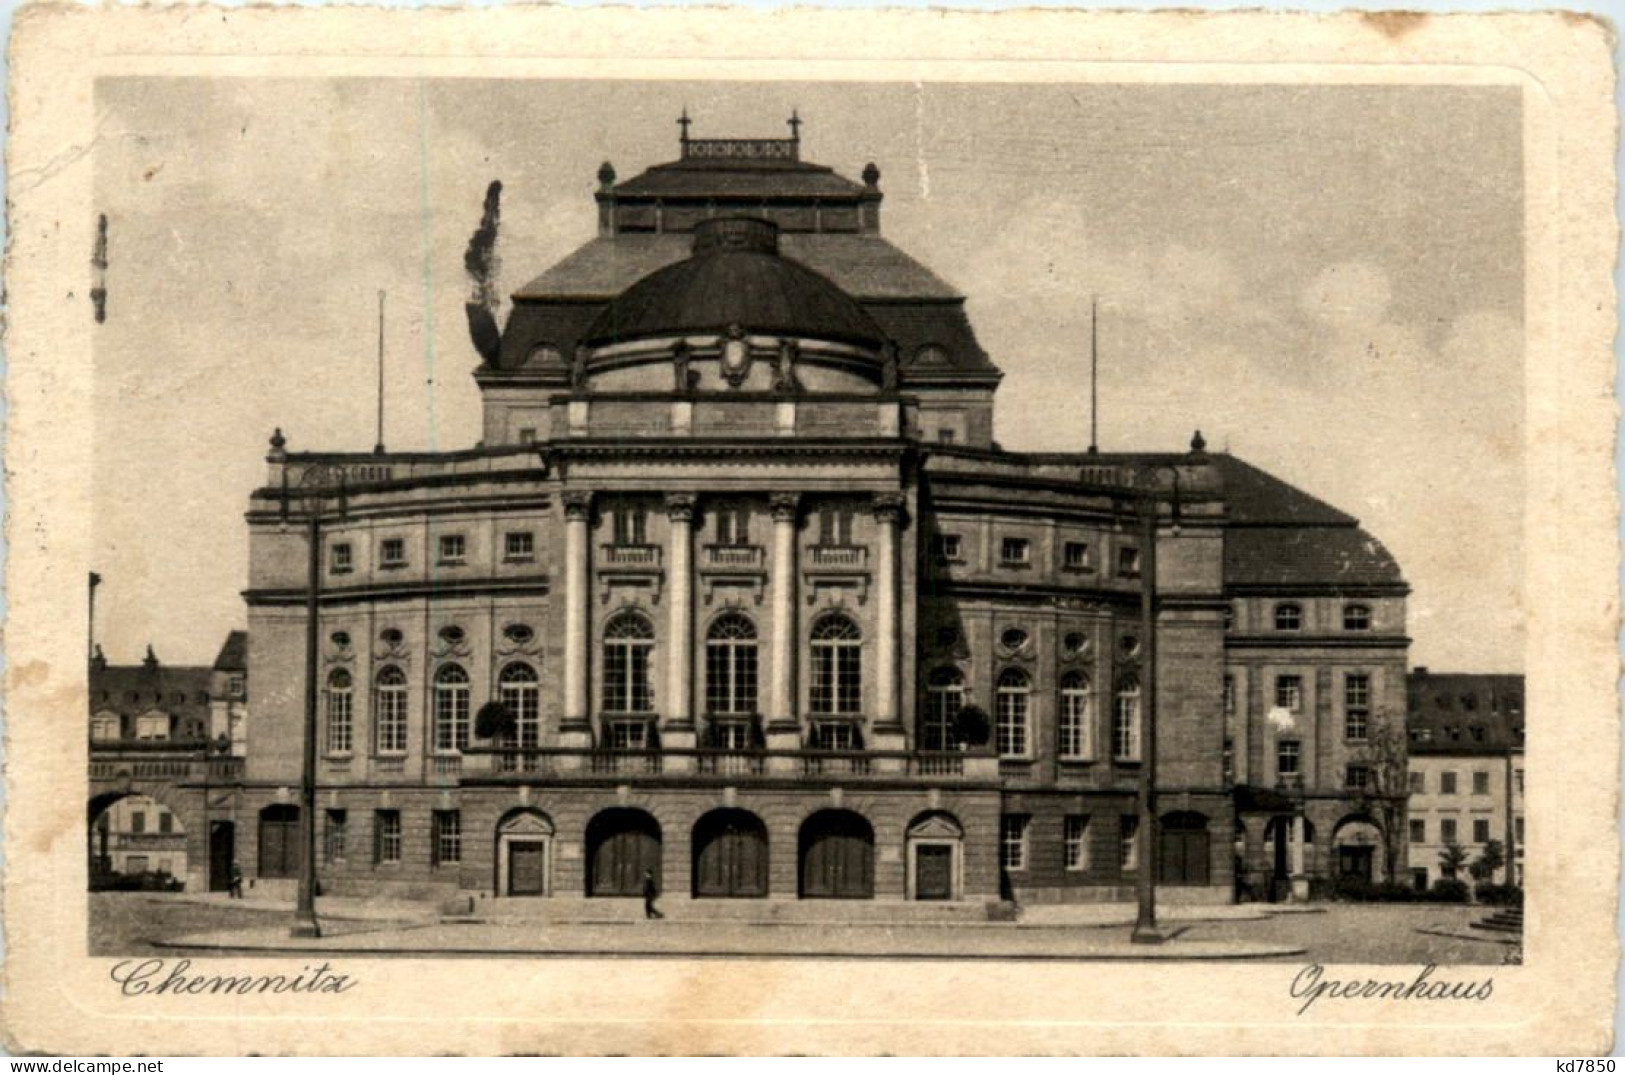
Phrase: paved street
[136,923]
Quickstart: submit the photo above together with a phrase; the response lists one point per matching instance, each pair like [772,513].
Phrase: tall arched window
[1014,693]
[1126,722]
[628,647]
[944,698]
[837,667]
[340,694]
[389,706]
[450,709]
[1073,725]
[517,689]
[730,666]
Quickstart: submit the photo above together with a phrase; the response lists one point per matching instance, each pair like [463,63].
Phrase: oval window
[1075,644]
[452,633]
[1131,645]
[391,637]
[518,633]
[341,639]
[1013,638]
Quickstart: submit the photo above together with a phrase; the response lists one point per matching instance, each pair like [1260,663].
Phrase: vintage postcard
[586,531]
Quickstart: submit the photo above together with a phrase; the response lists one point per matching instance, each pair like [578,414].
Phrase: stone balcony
[732,558]
[148,760]
[519,765]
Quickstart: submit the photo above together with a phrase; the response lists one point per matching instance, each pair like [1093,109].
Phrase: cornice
[1364,640]
[415,588]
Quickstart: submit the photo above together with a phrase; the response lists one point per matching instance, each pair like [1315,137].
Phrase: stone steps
[577,909]
[1509,920]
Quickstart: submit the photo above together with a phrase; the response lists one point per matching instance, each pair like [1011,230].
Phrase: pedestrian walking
[235,889]
[650,892]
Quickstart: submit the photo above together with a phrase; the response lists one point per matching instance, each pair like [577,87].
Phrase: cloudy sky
[1327,281]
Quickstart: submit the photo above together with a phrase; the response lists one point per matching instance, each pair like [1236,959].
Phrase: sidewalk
[734,940]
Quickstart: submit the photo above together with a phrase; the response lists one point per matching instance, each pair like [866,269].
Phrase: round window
[1130,645]
[341,639]
[392,637]
[1013,638]
[1075,644]
[452,633]
[518,633]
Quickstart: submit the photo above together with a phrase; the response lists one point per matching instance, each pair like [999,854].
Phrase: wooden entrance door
[222,852]
[933,872]
[837,857]
[527,868]
[1185,850]
[730,855]
[623,845]
[279,841]
[1354,862]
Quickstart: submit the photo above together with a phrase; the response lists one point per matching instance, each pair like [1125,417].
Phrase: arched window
[1356,617]
[837,667]
[1073,725]
[730,666]
[1014,692]
[517,689]
[944,698]
[450,709]
[340,695]
[389,705]
[1126,722]
[1288,616]
[628,648]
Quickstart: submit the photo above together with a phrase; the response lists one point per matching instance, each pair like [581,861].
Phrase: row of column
[780,707]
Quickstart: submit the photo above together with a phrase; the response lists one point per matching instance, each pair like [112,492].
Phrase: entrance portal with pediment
[525,854]
[935,857]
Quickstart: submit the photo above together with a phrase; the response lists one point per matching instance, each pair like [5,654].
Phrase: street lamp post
[305,922]
[1145,922]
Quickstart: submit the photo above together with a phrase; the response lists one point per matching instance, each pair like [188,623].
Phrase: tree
[1490,859]
[1387,788]
[495,721]
[972,727]
[1452,857]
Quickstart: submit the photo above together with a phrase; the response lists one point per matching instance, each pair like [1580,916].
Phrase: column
[886,733]
[575,730]
[783,729]
[1300,881]
[678,730]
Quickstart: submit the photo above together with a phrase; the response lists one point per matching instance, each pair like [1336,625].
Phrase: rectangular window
[519,545]
[333,838]
[1229,696]
[453,548]
[1481,783]
[236,685]
[629,735]
[1128,854]
[834,735]
[392,552]
[152,727]
[1356,707]
[1289,693]
[387,836]
[1073,729]
[1015,550]
[339,560]
[1358,778]
[527,435]
[104,728]
[166,821]
[1419,783]
[1128,562]
[1126,726]
[631,525]
[1517,776]
[834,525]
[1517,828]
[1076,840]
[1481,830]
[1075,555]
[1419,830]
[947,548]
[733,526]
[1013,842]
[447,848]
[1288,757]
[1447,830]
[138,821]
[945,436]
[1447,783]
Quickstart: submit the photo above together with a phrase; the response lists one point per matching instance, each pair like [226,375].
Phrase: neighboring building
[228,714]
[139,835]
[770,614]
[148,702]
[1466,736]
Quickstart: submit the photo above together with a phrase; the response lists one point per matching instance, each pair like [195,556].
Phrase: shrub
[1396,892]
[1498,895]
[1448,891]
[1354,889]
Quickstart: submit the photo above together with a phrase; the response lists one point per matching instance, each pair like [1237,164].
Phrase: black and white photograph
[949,526]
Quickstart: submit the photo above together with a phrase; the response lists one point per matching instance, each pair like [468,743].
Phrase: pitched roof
[864,266]
[747,178]
[1464,712]
[1260,499]
[1287,557]
[233,655]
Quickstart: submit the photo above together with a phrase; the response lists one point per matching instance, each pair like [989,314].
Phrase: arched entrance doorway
[837,855]
[135,841]
[524,854]
[1356,844]
[622,844]
[280,848]
[730,855]
[1185,854]
[935,841]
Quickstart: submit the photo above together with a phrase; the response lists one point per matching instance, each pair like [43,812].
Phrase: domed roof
[735,276]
